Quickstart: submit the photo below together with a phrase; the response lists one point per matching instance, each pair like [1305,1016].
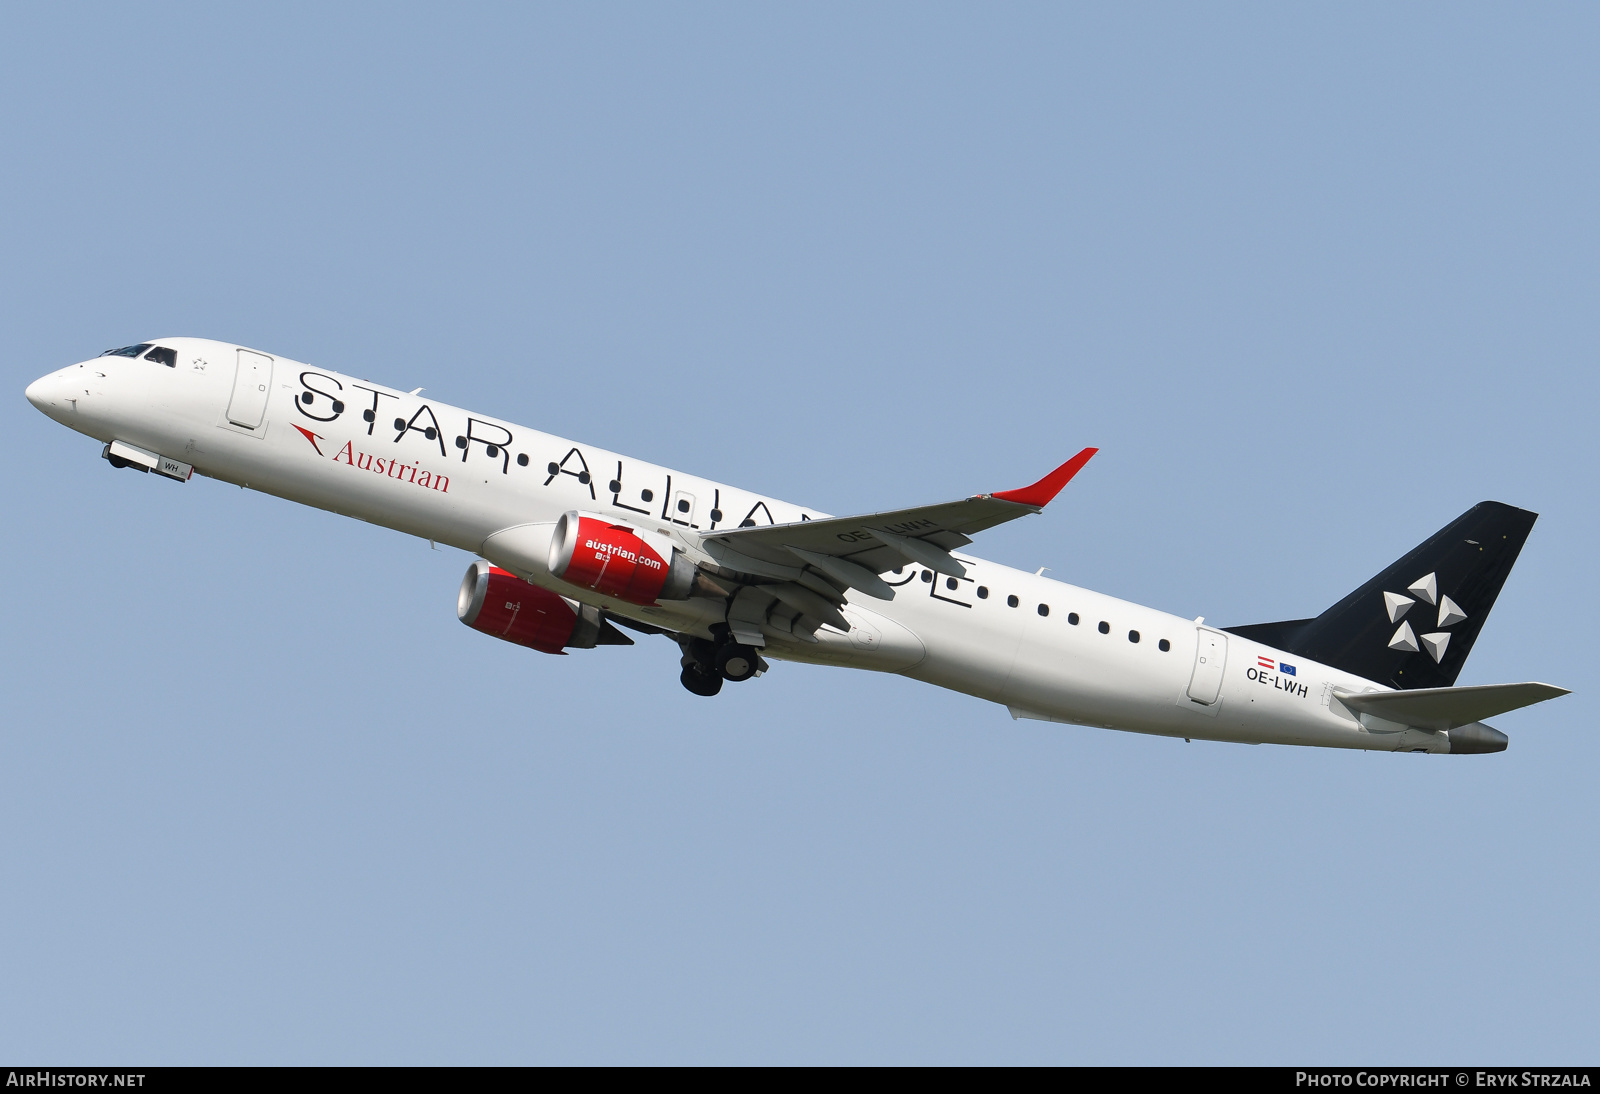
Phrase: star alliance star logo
[1405,639]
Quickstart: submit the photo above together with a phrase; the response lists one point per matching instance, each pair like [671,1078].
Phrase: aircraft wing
[829,557]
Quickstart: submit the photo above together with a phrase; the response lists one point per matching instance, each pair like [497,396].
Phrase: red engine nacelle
[613,560]
[502,604]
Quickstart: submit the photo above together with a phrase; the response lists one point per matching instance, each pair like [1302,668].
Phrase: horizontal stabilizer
[1447,708]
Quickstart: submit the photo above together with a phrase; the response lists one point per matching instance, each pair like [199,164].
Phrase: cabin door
[1211,654]
[252,380]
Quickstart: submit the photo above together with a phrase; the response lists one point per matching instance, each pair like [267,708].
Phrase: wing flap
[803,600]
[850,573]
[933,557]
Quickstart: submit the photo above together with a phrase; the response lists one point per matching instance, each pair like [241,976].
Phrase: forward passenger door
[252,382]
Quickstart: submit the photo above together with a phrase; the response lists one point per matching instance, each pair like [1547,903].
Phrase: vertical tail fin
[1413,625]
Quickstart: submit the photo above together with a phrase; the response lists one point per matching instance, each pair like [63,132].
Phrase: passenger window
[1072,617]
[1012,601]
[1133,636]
[950,583]
[1163,645]
[1105,628]
[164,356]
[983,592]
[927,575]
[1044,609]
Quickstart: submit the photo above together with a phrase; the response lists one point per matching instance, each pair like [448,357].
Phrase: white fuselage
[985,635]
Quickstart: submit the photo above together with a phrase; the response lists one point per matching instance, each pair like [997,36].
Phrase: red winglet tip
[1041,492]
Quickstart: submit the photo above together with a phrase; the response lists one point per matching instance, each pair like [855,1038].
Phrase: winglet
[1040,493]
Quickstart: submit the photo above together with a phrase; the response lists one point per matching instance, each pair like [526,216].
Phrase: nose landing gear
[707,664]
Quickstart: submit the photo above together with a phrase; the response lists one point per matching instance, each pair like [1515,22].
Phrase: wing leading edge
[834,555]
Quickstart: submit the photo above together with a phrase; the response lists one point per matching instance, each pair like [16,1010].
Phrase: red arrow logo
[313,438]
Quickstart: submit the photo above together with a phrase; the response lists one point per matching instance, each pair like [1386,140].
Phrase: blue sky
[1315,279]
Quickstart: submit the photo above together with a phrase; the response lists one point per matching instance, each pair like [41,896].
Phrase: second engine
[502,604]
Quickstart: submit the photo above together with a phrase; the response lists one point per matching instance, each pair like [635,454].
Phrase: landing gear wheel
[737,662]
[700,682]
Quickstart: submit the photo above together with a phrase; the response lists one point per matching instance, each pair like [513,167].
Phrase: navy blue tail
[1413,625]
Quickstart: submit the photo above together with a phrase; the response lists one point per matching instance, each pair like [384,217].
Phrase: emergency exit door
[1211,654]
[252,380]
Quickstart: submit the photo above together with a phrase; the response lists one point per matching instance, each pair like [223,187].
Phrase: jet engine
[502,604]
[616,560]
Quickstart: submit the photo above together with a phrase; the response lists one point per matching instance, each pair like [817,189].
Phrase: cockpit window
[127,351]
[163,355]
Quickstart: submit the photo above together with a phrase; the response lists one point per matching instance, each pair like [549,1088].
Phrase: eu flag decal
[1286,668]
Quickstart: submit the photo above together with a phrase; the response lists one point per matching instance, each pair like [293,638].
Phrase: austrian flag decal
[1274,674]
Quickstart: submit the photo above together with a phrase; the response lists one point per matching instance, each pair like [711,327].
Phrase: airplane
[577,545]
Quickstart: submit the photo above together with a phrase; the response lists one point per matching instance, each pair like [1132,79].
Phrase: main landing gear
[707,664]
[699,681]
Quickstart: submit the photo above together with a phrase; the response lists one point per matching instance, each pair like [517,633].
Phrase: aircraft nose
[53,395]
[38,392]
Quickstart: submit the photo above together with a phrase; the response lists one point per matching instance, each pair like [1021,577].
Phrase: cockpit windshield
[161,355]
